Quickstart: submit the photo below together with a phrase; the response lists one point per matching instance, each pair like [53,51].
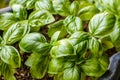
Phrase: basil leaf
[11,56]
[116,32]
[19,11]
[101,24]
[72,73]
[107,43]
[44,4]
[73,24]
[115,35]
[56,66]
[59,76]
[55,37]
[81,48]
[84,3]
[78,37]
[91,66]
[40,18]
[95,47]
[7,71]
[62,48]
[61,7]
[29,4]
[42,47]
[104,62]
[74,7]
[57,26]
[86,13]
[32,41]
[38,65]
[1,39]
[6,20]
[112,6]
[99,5]
[16,32]
[12,2]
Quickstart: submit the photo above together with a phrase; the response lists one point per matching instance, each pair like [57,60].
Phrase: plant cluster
[73,51]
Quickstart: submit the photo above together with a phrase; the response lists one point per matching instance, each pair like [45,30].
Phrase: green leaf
[57,26]
[7,71]
[116,32]
[59,76]
[12,2]
[112,6]
[102,24]
[42,47]
[81,48]
[38,65]
[29,4]
[95,47]
[92,68]
[1,39]
[115,35]
[62,48]
[61,7]
[32,42]
[104,62]
[107,43]
[78,37]
[19,11]
[84,3]
[6,20]
[56,66]
[40,18]
[16,32]
[73,24]
[86,13]
[99,5]
[72,73]
[44,4]
[11,56]
[74,7]
[55,37]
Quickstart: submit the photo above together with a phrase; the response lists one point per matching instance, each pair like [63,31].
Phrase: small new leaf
[95,46]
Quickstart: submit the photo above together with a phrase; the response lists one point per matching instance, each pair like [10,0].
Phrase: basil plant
[14,26]
[66,39]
